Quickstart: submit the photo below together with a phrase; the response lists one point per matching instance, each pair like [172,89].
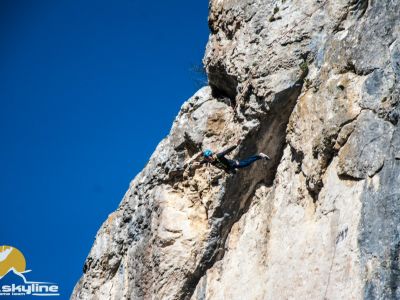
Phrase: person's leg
[247,162]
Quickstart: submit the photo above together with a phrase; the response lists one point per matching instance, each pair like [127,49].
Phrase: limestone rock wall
[315,84]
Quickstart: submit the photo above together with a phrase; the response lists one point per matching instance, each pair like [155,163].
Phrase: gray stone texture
[315,85]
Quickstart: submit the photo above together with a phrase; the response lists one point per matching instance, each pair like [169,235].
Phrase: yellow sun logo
[11,257]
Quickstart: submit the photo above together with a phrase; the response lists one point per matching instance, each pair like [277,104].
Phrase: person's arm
[192,159]
[204,161]
[192,163]
[225,152]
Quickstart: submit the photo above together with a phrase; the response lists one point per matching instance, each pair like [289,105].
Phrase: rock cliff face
[315,84]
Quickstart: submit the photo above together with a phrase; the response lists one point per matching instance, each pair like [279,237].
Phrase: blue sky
[87,90]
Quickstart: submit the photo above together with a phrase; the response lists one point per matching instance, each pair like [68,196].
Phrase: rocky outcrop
[315,84]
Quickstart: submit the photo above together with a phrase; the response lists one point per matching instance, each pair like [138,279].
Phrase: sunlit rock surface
[315,85]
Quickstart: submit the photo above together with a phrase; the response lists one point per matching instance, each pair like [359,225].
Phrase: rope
[250,73]
[335,242]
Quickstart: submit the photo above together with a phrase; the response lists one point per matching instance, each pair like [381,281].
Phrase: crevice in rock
[346,177]
[325,151]
[355,7]
[394,278]
[271,138]
[190,145]
[362,149]
[297,156]
[339,26]
[351,67]
[222,84]
[359,7]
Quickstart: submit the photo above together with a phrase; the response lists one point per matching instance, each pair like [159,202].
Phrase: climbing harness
[247,82]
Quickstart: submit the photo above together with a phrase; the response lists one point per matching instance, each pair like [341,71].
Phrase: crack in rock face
[317,221]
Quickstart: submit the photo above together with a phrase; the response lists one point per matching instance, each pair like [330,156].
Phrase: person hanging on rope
[229,165]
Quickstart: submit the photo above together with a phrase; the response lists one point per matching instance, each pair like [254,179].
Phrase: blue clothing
[246,162]
[229,165]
